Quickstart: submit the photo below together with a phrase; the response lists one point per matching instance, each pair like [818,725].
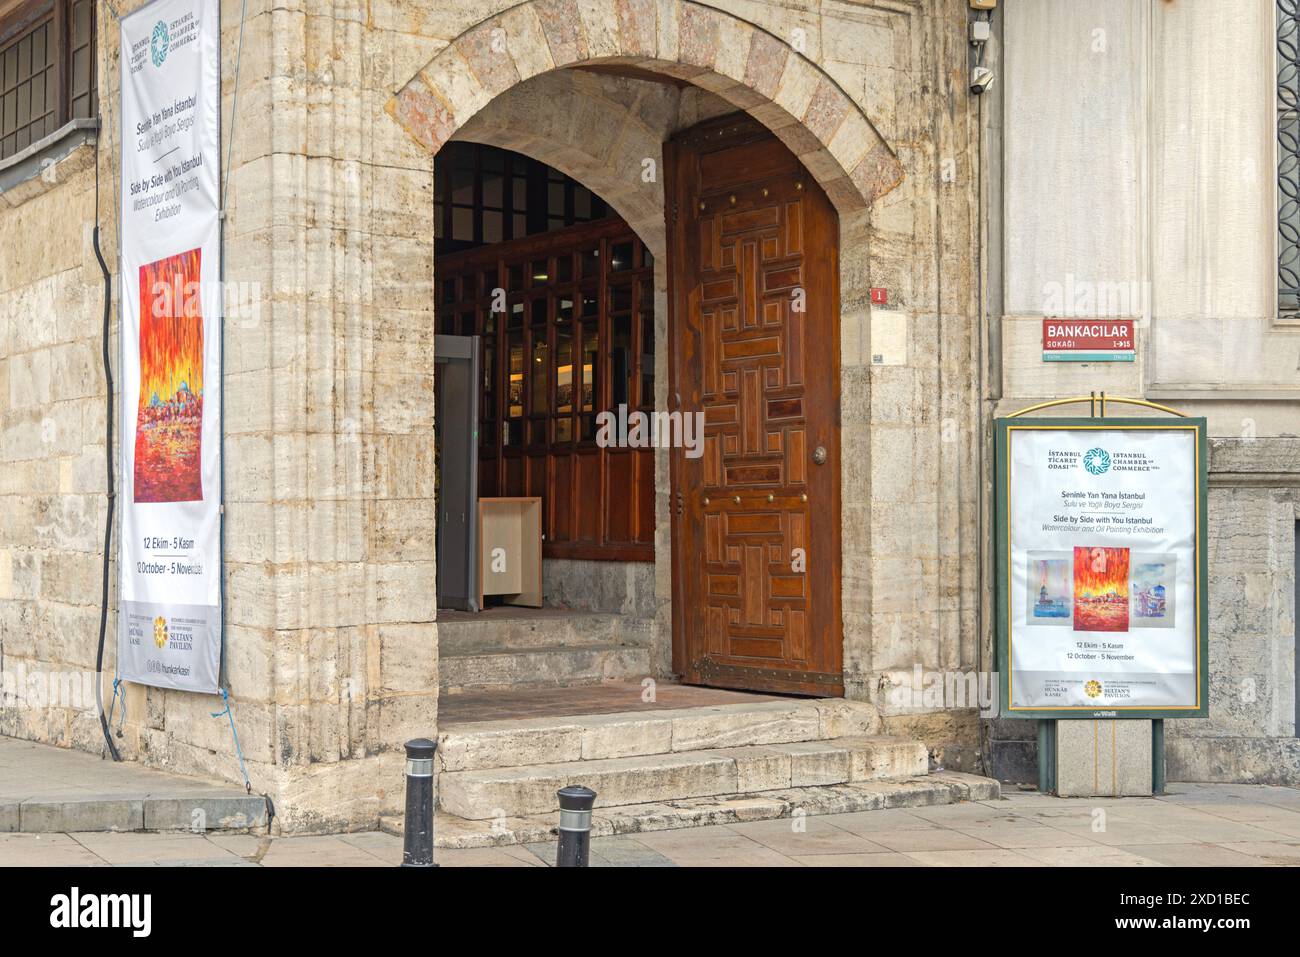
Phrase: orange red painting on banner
[169,426]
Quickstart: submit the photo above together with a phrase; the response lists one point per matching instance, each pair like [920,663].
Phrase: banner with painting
[169,621]
[1101,567]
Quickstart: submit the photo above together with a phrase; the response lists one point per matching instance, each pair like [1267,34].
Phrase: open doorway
[562,209]
[552,294]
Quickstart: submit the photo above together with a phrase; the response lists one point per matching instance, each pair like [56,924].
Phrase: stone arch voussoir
[743,64]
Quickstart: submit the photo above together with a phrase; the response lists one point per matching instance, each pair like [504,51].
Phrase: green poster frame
[1003,430]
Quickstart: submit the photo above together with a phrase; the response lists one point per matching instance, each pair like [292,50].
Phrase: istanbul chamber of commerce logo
[158,43]
[1093,689]
[1096,461]
[160,631]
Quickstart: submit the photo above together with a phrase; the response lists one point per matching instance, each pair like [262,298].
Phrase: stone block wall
[52,477]
[331,611]
[1250,734]
[1176,231]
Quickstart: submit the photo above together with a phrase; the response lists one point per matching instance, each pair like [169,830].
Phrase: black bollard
[574,848]
[417,849]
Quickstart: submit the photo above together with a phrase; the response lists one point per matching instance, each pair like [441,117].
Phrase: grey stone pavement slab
[1194,825]
[46,789]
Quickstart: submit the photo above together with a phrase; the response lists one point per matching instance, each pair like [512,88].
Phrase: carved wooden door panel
[754,345]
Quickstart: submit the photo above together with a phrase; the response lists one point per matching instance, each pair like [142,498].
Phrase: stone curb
[221,811]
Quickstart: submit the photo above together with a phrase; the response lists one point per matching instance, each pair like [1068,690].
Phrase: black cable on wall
[108,441]
[108,459]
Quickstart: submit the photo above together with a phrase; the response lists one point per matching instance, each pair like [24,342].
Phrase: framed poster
[1102,567]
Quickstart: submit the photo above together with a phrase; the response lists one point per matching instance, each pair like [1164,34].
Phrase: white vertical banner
[169,622]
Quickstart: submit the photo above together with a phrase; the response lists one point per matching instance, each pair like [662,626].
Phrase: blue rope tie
[117,683]
[225,696]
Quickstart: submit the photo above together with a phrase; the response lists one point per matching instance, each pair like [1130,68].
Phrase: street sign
[1088,340]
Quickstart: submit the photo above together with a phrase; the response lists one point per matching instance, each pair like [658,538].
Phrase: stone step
[945,787]
[557,666]
[520,742]
[546,628]
[521,791]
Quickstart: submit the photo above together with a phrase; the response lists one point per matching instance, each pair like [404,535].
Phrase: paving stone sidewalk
[45,789]
[1195,824]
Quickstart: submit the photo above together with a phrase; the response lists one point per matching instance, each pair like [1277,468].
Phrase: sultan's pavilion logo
[158,43]
[1096,461]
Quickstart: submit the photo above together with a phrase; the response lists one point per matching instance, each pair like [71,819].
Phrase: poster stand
[1047,726]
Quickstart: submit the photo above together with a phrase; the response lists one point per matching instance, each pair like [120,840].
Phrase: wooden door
[754,345]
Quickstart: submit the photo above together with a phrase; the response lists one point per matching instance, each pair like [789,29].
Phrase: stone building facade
[1159,194]
[963,209]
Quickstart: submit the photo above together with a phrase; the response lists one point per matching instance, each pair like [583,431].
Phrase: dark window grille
[81,59]
[1288,157]
[485,195]
[47,70]
[28,88]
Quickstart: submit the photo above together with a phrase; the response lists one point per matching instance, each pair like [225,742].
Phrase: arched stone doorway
[571,85]
[501,82]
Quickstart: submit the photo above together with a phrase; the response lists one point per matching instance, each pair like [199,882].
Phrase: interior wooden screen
[566,321]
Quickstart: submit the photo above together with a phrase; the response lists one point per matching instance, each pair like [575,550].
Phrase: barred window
[484,195]
[47,69]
